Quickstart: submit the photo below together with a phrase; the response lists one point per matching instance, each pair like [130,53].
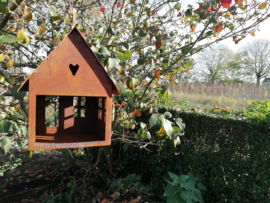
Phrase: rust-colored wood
[71,70]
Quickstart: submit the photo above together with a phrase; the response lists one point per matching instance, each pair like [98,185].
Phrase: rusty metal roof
[78,48]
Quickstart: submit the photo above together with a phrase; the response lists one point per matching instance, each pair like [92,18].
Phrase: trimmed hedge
[231,157]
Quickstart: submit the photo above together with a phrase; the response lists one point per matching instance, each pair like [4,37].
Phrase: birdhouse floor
[68,138]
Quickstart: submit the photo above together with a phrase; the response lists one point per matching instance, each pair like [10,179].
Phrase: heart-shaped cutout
[74,69]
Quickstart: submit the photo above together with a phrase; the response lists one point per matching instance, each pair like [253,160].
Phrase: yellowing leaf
[27,14]
[74,14]
[181,68]
[161,132]
[242,8]
[42,30]
[23,37]
[18,109]
[2,57]
[10,30]
[252,34]
[3,114]
[9,64]
[2,80]
[262,6]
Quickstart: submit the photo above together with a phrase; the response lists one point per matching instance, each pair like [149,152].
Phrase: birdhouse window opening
[51,111]
[100,102]
[79,107]
[102,109]
[82,114]
[82,101]
[68,119]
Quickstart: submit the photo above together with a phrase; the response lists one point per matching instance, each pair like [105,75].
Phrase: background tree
[213,64]
[146,46]
[257,58]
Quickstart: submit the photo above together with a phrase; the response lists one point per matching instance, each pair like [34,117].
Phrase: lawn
[235,96]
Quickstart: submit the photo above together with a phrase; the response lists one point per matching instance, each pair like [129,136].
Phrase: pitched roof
[74,31]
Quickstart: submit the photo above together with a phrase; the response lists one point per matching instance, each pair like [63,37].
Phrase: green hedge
[231,157]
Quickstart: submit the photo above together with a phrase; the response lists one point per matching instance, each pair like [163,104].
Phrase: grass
[235,96]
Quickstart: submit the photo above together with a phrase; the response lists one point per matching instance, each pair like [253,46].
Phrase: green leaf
[190,63]
[141,33]
[125,147]
[117,194]
[188,12]
[7,126]
[54,19]
[125,44]
[169,190]
[66,19]
[66,153]
[111,31]
[180,123]
[141,61]
[6,143]
[52,12]
[104,50]
[146,135]
[148,10]
[175,178]
[62,36]
[155,122]
[189,196]
[214,20]
[164,94]
[167,115]
[201,186]
[3,6]
[17,95]
[165,61]
[8,39]
[232,8]
[56,114]
[122,58]
[23,130]
[132,83]
[209,33]
[100,38]
[127,54]
[167,126]
[231,26]
[176,129]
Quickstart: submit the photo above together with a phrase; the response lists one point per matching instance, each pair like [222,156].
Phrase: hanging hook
[71,14]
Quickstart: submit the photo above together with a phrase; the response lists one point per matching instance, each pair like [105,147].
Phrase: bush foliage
[230,156]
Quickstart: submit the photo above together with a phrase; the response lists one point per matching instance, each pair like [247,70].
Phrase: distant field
[235,96]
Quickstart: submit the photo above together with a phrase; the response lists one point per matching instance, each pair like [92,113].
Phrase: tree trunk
[258,81]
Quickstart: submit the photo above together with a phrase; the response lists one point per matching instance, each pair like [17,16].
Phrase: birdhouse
[70,98]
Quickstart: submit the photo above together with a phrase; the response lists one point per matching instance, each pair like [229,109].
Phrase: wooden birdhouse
[72,83]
